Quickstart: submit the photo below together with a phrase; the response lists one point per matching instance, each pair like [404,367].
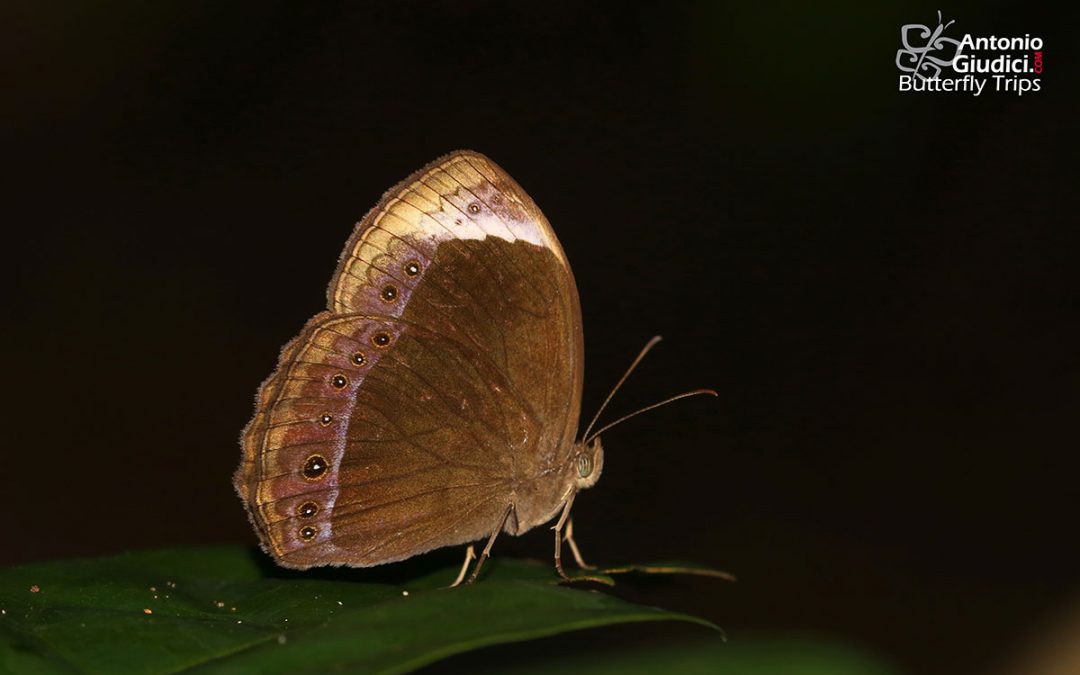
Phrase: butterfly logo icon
[927,59]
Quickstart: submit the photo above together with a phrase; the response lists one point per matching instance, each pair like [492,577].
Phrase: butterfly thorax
[538,501]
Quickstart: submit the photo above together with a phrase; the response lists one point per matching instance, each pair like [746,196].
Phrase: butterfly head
[588,462]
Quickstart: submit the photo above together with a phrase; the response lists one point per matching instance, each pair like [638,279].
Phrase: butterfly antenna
[644,350]
[685,394]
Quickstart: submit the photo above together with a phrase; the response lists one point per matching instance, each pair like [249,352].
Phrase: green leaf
[229,609]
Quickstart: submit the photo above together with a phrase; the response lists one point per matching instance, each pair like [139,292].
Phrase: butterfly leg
[559,535]
[491,542]
[569,539]
[470,555]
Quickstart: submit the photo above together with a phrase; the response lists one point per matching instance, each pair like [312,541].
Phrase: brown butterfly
[436,401]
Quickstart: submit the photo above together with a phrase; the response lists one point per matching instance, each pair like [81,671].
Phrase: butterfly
[436,401]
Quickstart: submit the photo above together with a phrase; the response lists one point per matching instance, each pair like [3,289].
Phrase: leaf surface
[230,610]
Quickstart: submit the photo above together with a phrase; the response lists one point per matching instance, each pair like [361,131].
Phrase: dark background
[881,286]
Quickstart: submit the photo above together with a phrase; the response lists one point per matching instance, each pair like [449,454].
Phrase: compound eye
[584,465]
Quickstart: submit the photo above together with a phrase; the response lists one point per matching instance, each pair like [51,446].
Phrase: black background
[880,285]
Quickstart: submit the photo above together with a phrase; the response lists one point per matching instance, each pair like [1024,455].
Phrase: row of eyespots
[315,466]
[389,292]
[307,510]
[340,380]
